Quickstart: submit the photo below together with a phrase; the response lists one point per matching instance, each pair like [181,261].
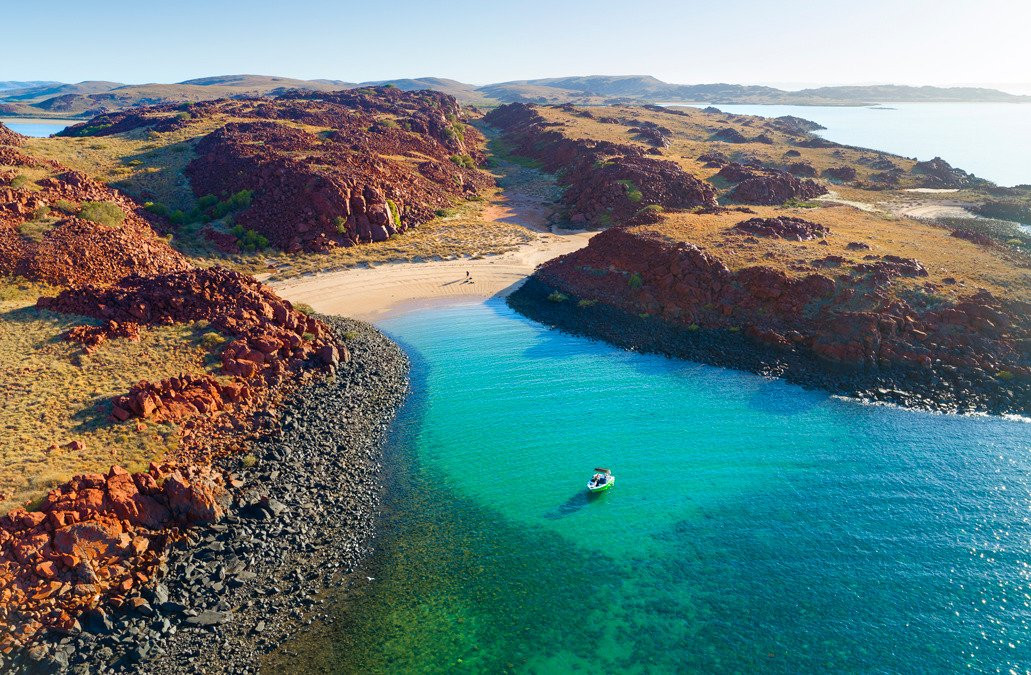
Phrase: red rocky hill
[606,183]
[325,169]
[973,351]
[68,249]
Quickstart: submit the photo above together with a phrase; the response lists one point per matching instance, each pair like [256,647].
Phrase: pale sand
[910,208]
[371,293]
[832,198]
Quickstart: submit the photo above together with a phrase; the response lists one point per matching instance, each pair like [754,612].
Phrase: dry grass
[147,166]
[465,231]
[692,137]
[54,393]
[943,255]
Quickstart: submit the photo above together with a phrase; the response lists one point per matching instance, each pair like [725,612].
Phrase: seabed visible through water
[755,525]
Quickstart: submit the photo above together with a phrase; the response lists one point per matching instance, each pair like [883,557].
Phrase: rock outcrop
[72,250]
[784,227]
[774,188]
[271,338]
[978,344]
[93,543]
[8,137]
[606,183]
[387,160]
[937,173]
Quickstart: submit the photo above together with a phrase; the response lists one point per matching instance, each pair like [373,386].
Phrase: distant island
[86,99]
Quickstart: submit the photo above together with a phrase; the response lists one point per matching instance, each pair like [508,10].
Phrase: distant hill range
[85,99]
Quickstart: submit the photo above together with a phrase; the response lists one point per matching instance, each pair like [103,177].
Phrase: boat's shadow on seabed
[571,505]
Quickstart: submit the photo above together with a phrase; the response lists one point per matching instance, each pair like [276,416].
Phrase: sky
[788,42]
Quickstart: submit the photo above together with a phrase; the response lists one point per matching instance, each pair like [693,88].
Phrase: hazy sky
[740,41]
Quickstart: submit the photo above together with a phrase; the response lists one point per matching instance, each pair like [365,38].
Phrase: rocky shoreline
[302,516]
[908,387]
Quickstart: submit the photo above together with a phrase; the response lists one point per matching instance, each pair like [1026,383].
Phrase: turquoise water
[754,525]
[37,128]
[991,140]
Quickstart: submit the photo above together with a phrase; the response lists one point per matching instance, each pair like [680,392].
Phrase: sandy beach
[369,293]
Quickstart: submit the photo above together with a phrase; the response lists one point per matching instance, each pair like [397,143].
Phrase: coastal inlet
[756,526]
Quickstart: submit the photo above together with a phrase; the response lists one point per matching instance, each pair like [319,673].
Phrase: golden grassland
[150,167]
[147,166]
[693,131]
[1002,271]
[54,393]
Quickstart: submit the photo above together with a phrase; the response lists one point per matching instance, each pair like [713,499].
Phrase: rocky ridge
[72,250]
[325,169]
[846,333]
[606,183]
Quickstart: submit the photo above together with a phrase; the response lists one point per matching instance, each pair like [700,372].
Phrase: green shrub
[464,161]
[308,337]
[395,213]
[20,181]
[206,202]
[556,296]
[41,213]
[211,339]
[65,206]
[632,193]
[693,327]
[1004,375]
[248,460]
[102,213]
[134,162]
[304,308]
[157,208]
[587,303]
[249,240]
[340,224]
[1014,242]
[455,130]
[350,335]
[635,281]
[236,202]
[794,203]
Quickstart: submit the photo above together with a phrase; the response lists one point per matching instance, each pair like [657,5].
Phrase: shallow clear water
[37,128]
[990,140]
[754,525]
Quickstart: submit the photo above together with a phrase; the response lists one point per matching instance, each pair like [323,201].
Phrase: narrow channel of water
[38,128]
[754,525]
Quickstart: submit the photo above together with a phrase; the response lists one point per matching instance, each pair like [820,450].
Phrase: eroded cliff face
[979,342]
[606,183]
